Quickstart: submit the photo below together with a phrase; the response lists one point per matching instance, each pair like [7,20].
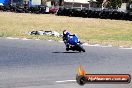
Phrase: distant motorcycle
[74,44]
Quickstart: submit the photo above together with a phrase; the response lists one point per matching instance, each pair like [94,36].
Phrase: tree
[114,4]
[99,3]
[61,2]
[129,5]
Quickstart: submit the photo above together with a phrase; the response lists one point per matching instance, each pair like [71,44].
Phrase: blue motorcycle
[74,44]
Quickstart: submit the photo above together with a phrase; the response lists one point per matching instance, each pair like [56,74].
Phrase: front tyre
[81,48]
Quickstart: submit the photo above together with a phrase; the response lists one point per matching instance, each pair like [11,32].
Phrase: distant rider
[66,37]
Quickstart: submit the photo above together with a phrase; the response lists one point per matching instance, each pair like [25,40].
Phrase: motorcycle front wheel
[81,48]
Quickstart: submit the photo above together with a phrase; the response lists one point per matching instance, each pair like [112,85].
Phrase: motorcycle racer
[66,37]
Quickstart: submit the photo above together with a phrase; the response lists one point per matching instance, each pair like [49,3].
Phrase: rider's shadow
[66,52]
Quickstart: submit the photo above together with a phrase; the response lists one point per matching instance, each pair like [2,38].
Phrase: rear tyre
[67,49]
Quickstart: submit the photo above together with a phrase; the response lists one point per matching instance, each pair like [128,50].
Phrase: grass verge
[101,31]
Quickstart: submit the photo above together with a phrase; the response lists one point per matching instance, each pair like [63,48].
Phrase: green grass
[115,32]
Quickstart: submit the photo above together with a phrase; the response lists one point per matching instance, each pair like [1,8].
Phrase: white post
[89,6]
[72,4]
[102,7]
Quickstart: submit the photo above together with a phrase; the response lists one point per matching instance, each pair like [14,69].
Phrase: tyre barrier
[102,14]
[72,12]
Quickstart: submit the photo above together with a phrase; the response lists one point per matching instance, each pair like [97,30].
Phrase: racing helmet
[65,32]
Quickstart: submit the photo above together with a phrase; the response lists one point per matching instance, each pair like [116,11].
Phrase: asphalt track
[46,64]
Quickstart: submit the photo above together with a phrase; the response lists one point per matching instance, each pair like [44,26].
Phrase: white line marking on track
[110,46]
[126,48]
[95,45]
[25,39]
[60,41]
[50,40]
[64,81]
[105,46]
[11,38]
[121,46]
[37,39]
[85,44]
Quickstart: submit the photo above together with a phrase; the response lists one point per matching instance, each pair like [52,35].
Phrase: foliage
[114,4]
[99,3]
